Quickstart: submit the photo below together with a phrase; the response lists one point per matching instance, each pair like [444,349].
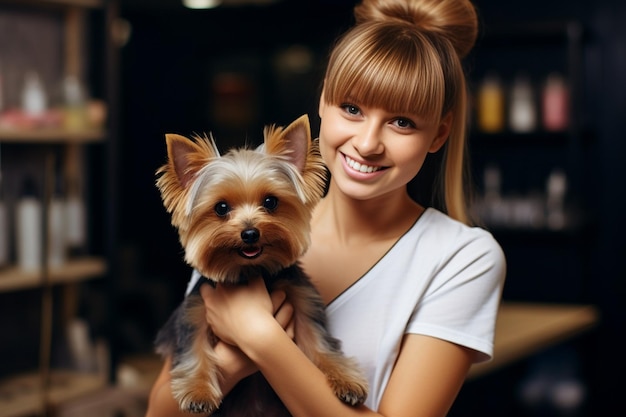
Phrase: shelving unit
[546,263]
[535,49]
[39,390]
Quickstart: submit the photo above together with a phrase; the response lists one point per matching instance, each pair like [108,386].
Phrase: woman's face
[371,152]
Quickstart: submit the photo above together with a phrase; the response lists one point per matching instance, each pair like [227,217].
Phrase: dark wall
[166,73]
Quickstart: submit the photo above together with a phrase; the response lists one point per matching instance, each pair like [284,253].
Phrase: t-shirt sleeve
[462,303]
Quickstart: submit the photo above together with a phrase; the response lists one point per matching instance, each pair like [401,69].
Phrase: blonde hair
[405,56]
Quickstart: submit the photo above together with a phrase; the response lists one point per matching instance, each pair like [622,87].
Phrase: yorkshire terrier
[242,215]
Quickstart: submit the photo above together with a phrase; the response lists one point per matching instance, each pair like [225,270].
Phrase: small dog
[242,215]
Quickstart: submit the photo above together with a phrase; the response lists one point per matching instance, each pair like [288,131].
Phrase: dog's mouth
[250,252]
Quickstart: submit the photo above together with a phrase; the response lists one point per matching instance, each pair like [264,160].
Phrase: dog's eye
[222,209]
[270,203]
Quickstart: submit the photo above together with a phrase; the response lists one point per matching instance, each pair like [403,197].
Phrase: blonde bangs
[389,67]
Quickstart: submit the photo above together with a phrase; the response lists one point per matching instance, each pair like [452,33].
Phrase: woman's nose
[368,140]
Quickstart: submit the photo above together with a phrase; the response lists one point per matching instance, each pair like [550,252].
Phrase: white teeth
[360,167]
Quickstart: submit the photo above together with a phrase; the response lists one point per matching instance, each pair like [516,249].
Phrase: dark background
[166,71]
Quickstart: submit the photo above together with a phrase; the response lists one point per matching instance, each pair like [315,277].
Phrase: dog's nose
[250,235]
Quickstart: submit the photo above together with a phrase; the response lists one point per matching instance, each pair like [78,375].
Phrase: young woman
[412,292]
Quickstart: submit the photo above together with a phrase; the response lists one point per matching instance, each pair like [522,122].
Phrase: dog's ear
[293,142]
[186,156]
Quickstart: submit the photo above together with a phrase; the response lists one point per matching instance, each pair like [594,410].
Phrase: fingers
[284,317]
[291,329]
[278,298]
[284,314]
[216,301]
[283,311]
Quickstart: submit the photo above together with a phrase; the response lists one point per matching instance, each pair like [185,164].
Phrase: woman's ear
[443,131]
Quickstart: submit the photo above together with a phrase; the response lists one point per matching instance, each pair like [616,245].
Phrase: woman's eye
[404,123]
[270,203]
[222,209]
[351,109]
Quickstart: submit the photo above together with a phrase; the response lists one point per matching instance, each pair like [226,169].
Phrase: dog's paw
[198,406]
[198,401]
[350,392]
[195,395]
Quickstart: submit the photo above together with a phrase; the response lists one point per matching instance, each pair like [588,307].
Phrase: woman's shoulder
[438,222]
[454,235]
[455,246]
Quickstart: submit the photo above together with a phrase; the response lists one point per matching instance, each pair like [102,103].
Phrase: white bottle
[522,107]
[34,100]
[80,346]
[57,245]
[29,233]
[76,235]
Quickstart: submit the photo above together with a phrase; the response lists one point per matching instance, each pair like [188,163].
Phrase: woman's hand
[226,305]
[233,311]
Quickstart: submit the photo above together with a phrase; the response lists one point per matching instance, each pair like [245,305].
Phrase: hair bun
[455,20]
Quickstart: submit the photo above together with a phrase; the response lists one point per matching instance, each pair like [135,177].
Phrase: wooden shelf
[22,395]
[75,270]
[93,4]
[51,135]
[524,329]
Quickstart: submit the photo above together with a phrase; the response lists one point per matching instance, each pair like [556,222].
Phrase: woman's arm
[161,402]
[427,377]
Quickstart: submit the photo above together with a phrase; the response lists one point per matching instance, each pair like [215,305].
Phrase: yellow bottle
[75,112]
[490,105]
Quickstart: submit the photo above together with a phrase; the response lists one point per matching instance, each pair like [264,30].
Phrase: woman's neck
[350,221]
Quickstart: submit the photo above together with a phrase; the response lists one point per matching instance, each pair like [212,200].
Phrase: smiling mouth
[357,166]
[250,252]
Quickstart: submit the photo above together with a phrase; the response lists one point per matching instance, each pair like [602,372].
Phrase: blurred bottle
[493,201]
[76,233]
[34,100]
[556,189]
[29,233]
[490,105]
[75,211]
[75,110]
[57,227]
[555,103]
[522,108]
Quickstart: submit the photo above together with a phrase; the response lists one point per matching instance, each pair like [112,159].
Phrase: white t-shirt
[441,279]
